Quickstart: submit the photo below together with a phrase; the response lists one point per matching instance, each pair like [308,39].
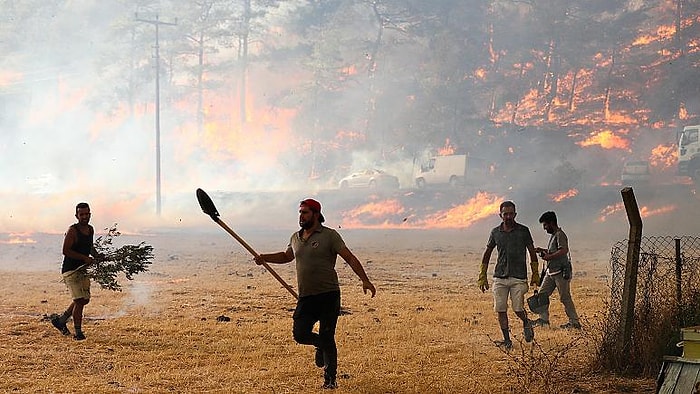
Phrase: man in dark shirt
[77,248]
[513,240]
[315,248]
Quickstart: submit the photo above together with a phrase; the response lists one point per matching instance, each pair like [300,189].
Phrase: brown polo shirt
[315,260]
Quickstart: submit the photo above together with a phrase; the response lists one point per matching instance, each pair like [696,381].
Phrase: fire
[563,196]
[664,157]
[607,140]
[619,118]
[646,212]
[18,238]
[348,71]
[480,73]
[479,207]
[224,138]
[392,214]
[362,216]
[448,149]
[662,33]
[611,209]
[350,136]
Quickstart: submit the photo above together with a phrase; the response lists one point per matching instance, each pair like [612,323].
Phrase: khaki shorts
[509,287]
[78,283]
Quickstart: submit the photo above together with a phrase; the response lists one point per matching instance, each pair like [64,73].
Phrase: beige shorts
[78,283]
[509,287]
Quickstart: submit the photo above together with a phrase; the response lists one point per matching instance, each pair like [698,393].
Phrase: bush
[112,261]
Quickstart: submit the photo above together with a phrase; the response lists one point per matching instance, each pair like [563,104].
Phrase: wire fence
[667,299]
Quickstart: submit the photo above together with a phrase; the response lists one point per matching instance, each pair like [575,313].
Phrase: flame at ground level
[644,211]
[563,196]
[391,214]
[18,238]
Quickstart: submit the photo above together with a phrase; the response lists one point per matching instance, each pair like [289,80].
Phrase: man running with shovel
[315,248]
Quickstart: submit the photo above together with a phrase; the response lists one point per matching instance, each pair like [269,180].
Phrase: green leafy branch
[112,261]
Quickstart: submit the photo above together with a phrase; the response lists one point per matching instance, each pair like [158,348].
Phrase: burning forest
[550,99]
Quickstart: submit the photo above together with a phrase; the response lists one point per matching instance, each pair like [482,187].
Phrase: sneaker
[529,333]
[56,321]
[505,345]
[569,325]
[79,336]
[318,358]
[330,383]
[539,322]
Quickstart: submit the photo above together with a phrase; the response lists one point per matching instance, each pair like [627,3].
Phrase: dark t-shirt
[315,260]
[512,250]
[83,245]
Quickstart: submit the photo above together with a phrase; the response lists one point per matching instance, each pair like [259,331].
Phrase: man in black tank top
[77,250]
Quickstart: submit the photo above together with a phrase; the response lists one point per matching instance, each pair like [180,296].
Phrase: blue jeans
[325,309]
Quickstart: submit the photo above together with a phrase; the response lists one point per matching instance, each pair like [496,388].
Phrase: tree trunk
[372,68]
[572,95]
[517,103]
[608,88]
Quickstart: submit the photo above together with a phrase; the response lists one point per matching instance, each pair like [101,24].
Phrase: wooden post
[679,278]
[631,268]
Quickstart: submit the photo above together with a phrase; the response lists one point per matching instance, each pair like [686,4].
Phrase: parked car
[636,171]
[371,179]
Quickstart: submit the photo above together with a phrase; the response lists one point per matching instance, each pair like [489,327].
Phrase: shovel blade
[207,204]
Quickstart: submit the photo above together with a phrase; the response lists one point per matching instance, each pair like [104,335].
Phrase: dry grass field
[428,330]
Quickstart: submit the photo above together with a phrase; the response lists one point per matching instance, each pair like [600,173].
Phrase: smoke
[58,147]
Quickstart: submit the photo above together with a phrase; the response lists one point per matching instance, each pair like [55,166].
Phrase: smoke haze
[320,101]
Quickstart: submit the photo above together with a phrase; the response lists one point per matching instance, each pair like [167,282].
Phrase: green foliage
[112,261]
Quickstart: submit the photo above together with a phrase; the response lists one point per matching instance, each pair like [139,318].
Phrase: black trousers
[324,309]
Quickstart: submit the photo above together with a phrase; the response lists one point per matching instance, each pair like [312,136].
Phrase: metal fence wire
[667,299]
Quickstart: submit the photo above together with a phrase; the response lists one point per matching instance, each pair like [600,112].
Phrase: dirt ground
[429,329]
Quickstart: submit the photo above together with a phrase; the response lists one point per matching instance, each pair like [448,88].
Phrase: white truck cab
[689,152]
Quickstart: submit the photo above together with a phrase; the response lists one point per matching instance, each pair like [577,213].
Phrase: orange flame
[480,73]
[607,140]
[391,214]
[448,149]
[646,212]
[18,238]
[664,157]
[348,71]
[609,210]
[663,32]
[563,196]
[478,207]
[364,215]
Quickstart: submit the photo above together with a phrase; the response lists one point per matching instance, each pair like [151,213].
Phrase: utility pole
[156,22]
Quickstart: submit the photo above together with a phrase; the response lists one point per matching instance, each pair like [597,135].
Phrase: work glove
[535,280]
[483,282]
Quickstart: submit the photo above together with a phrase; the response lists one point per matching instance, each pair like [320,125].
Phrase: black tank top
[83,246]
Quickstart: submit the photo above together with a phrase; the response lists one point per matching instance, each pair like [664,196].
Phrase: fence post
[631,268]
[679,294]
